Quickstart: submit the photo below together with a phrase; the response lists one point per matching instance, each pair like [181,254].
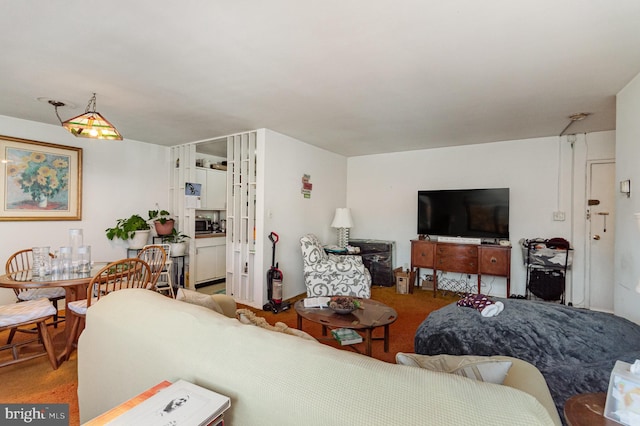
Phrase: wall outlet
[558,215]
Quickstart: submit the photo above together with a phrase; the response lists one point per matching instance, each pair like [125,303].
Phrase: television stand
[488,259]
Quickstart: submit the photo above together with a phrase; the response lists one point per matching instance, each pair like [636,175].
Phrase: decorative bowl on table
[343,304]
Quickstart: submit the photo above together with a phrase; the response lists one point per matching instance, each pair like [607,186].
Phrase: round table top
[587,409]
[372,314]
[24,279]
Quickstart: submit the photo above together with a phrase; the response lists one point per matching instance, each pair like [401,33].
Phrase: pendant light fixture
[90,124]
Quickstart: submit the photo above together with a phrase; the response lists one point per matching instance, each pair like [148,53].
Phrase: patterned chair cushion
[332,275]
[38,293]
[80,306]
[30,310]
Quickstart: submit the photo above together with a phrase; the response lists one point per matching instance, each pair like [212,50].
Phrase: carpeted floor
[412,309]
[36,382]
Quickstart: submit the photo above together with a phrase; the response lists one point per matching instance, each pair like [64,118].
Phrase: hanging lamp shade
[91,124]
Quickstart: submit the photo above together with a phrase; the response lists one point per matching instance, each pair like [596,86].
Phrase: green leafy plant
[125,229]
[161,216]
[175,237]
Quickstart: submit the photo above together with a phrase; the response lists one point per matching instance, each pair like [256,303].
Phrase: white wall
[288,213]
[120,178]
[627,257]
[382,192]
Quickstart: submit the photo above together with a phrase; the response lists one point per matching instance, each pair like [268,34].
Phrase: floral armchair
[330,274]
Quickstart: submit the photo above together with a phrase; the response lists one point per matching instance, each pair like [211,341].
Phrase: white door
[601,189]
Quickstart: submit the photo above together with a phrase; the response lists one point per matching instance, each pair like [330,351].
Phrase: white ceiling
[352,76]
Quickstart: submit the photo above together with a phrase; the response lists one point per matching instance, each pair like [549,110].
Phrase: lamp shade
[92,125]
[342,218]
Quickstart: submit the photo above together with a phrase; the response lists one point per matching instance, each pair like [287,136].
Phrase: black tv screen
[478,213]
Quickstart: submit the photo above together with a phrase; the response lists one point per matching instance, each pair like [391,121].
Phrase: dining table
[74,284]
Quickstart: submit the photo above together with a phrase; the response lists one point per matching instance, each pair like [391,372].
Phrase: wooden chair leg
[43,331]
[57,318]
[71,337]
[12,333]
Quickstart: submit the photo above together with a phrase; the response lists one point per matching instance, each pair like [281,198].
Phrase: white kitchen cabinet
[210,259]
[213,195]
[221,261]
[201,178]
[216,189]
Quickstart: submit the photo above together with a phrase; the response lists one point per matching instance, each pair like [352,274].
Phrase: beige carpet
[36,382]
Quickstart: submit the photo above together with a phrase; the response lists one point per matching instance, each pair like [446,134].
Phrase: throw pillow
[200,299]
[245,316]
[479,368]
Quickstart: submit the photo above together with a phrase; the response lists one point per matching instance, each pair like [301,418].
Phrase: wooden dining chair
[118,275]
[155,256]
[29,313]
[21,261]
[161,280]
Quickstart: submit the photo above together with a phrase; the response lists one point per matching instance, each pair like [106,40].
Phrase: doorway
[600,232]
[210,247]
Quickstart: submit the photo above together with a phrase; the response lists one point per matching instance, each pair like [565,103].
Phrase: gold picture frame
[39,180]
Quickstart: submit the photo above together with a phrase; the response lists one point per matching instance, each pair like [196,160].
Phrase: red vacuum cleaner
[274,283]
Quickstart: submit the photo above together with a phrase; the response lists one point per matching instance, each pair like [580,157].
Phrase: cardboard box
[622,399]
[404,281]
[427,284]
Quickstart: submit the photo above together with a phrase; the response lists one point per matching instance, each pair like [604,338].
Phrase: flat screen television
[477,213]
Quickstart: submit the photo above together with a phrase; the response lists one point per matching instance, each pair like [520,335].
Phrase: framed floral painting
[40,180]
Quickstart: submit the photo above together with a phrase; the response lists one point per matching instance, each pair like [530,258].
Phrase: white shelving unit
[183,170]
[241,215]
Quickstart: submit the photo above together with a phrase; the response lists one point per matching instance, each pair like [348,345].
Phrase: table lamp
[342,221]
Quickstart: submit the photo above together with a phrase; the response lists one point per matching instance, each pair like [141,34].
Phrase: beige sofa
[136,338]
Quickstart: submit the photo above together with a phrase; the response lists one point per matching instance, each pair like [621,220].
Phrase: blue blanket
[575,349]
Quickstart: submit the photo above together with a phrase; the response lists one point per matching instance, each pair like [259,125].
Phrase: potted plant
[135,230]
[162,221]
[178,242]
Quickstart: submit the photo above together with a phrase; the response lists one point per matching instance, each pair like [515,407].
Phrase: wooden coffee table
[587,409]
[374,314]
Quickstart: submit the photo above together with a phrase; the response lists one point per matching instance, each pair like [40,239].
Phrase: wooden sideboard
[488,259]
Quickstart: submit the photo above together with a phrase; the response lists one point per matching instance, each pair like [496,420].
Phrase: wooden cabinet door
[457,258]
[495,261]
[422,254]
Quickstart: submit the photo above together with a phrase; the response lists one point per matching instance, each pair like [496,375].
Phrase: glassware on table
[84,259]
[64,254]
[41,262]
[56,267]
[75,242]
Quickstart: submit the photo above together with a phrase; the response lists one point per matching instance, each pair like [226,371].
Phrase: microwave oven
[203,226]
